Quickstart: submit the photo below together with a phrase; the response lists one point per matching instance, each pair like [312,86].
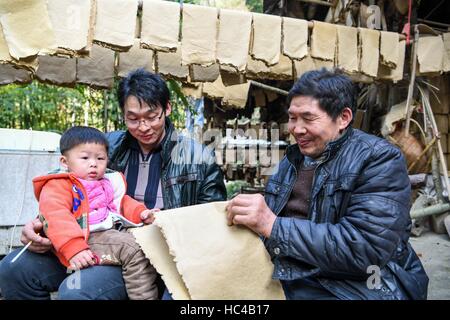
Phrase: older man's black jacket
[189,173]
[358,221]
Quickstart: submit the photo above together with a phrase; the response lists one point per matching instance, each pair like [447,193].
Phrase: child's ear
[63,162]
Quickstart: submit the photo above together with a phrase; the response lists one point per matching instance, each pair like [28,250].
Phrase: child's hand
[82,259]
[147,216]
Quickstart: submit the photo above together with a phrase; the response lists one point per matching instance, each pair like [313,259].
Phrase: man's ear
[346,117]
[63,162]
[168,109]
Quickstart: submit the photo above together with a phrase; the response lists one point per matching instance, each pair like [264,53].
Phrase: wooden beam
[322,3]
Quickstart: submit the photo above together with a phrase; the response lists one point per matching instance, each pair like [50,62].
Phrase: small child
[85,209]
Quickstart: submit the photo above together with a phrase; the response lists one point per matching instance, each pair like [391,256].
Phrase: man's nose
[299,129]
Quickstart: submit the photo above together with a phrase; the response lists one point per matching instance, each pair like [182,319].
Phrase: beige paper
[199,29]
[236,95]
[27,28]
[347,50]
[302,66]
[430,54]
[395,74]
[97,70]
[323,41]
[160,25]
[230,77]
[266,38]
[204,74]
[295,38]
[169,64]
[389,49]
[214,89]
[194,90]
[73,23]
[369,51]
[9,74]
[234,38]
[319,64]
[116,23]
[155,248]
[215,261]
[256,69]
[282,70]
[57,70]
[4,50]
[135,58]
[446,63]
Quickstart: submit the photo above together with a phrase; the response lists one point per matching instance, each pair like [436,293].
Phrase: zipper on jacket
[312,188]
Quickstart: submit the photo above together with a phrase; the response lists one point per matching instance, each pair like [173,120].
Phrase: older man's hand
[252,211]
[30,233]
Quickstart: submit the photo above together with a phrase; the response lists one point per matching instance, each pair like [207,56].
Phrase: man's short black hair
[79,135]
[334,90]
[146,87]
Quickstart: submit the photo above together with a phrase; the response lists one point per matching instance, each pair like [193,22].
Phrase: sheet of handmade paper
[160,24]
[389,49]
[199,30]
[97,70]
[295,38]
[9,74]
[446,62]
[234,38]
[370,51]
[57,70]
[395,74]
[169,64]
[71,21]
[4,51]
[304,65]
[266,41]
[115,24]
[217,261]
[236,95]
[430,54]
[347,55]
[155,248]
[27,28]
[323,41]
[135,58]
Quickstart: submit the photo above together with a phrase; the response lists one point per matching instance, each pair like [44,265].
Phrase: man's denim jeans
[33,276]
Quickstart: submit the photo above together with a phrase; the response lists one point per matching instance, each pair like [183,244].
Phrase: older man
[335,216]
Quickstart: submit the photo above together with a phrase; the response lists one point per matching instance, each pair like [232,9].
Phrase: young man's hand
[147,216]
[82,259]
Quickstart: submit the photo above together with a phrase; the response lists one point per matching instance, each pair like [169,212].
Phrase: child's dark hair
[79,135]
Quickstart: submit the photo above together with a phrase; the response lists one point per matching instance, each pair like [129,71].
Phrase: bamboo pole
[427,107]
[431,210]
[413,78]
[267,87]
[322,3]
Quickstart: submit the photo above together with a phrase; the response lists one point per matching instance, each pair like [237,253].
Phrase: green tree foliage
[46,107]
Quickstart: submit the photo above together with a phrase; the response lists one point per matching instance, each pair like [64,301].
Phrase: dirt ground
[434,252]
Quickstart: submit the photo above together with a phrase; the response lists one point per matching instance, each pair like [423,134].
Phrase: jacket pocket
[276,195]
[337,200]
[184,188]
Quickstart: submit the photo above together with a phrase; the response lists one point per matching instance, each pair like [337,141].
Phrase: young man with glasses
[163,170]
